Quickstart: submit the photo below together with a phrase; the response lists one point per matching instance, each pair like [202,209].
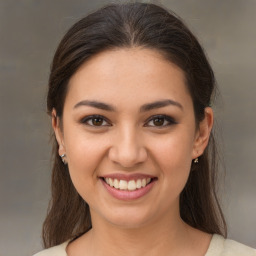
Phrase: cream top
[219,246]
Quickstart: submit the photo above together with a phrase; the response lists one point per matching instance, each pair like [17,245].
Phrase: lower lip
[128,195]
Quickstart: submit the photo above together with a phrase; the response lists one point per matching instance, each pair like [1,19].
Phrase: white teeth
[110,182]
[116,183]
[131,185]
[127,185]
[123,184]
[138,184]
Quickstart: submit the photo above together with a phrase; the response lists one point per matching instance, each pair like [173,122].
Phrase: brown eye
[161,121]
[96,121]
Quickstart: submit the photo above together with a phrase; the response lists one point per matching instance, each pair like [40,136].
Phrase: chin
[128,218]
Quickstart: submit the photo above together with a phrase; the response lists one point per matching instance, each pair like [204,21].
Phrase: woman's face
[129,136]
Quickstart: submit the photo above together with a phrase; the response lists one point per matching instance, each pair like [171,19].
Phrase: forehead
[125,75]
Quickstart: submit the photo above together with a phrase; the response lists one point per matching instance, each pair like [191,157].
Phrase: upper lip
[127,177]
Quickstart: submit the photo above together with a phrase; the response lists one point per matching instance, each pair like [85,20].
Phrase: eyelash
[169,119]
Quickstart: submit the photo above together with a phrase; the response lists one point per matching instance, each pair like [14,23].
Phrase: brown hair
[130,25]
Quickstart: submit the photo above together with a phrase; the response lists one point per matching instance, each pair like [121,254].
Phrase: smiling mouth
[130,185]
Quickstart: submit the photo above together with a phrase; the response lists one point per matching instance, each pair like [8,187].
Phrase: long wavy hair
[124,26]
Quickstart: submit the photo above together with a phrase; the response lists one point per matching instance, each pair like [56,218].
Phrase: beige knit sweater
[218,247]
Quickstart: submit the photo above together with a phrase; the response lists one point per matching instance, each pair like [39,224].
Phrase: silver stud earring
[63,158]
[196,160]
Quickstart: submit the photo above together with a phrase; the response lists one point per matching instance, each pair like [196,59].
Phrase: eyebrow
[143,108]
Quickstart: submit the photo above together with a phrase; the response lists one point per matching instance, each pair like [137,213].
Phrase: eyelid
[87,118]
[170,120]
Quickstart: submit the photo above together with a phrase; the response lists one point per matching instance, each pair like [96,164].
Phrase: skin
[128,142]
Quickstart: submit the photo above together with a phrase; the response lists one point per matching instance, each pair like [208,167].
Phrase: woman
[134,168]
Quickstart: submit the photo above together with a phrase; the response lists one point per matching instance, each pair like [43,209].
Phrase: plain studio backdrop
[30,31]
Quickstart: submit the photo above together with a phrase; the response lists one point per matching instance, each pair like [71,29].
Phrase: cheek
[173,155]
[84,155]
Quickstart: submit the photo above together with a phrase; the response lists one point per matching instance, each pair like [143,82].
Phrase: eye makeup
[158,121]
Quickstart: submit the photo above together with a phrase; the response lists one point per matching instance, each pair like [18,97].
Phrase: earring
[196,160]
[63,158]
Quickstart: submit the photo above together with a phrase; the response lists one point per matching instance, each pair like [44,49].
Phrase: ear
[58,132]
[203,133]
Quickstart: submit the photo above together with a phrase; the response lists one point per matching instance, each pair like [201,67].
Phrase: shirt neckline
[214,248]
[216,245]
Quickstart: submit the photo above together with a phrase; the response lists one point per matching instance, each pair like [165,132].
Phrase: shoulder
[220,246]
[59,250]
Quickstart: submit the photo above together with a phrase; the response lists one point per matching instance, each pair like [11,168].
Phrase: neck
[156,238]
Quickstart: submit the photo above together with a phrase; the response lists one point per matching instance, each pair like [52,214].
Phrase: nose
[127,148]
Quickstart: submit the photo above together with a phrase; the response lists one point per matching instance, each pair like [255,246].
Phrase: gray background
[30,31]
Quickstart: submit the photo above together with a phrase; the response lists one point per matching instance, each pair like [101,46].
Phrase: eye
[95,120]
[160,121]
